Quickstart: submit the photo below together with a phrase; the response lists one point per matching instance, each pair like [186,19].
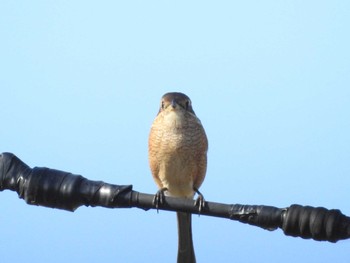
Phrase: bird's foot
[200,202]
[159,198]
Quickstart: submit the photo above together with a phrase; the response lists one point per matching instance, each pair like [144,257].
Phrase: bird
[177,153]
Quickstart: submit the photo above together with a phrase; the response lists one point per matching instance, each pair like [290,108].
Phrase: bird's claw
[199,202]
[159,198]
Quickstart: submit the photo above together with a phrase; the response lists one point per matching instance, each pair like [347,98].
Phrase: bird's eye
[162,106]
[188,104]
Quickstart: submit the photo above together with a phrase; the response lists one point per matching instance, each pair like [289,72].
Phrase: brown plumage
[178,158]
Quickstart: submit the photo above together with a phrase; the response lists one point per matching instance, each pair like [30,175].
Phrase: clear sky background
[80,84]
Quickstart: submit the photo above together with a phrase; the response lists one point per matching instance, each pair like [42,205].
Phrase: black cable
[63,190]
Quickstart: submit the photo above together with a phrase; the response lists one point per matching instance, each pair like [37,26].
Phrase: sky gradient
[80,85]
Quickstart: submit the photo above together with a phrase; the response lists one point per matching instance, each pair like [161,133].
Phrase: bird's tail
[185,250]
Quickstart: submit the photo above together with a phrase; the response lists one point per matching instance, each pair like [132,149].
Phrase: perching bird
[177,152]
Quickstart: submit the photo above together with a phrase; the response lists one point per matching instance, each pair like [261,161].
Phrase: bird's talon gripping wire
[159,198]
[199,202]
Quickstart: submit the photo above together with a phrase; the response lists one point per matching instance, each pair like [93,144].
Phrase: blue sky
[80,86]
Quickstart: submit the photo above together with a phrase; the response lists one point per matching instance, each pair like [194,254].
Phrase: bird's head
[176,101]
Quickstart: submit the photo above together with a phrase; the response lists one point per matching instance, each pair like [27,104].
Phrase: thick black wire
[63,190]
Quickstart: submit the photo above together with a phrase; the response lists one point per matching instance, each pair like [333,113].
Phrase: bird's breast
[175,151]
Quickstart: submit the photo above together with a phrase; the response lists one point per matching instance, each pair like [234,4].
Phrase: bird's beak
[173,103]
